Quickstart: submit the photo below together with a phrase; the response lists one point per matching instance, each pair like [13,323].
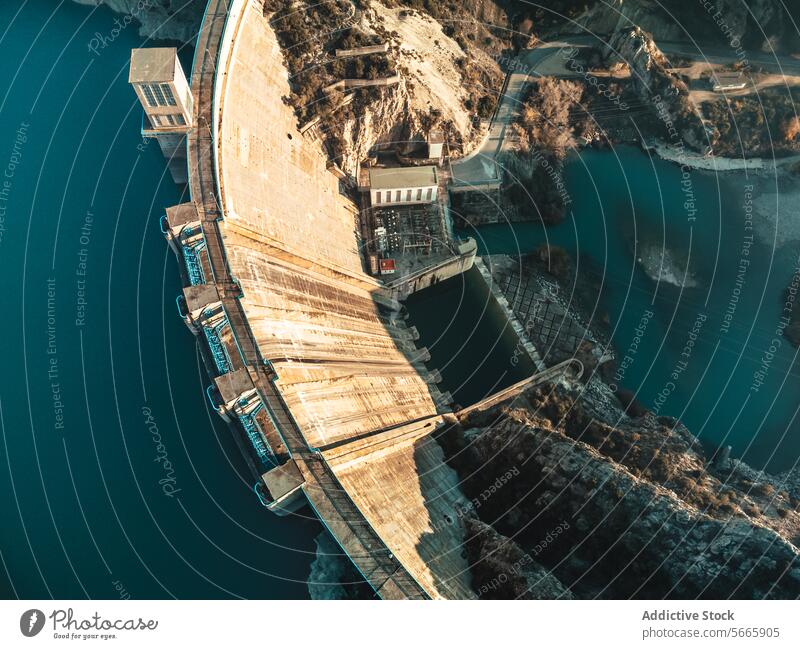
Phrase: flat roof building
[403,185]
[150,64]
[157,77]
[722,81]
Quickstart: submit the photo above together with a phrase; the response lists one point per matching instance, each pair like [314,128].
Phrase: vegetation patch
[759,125]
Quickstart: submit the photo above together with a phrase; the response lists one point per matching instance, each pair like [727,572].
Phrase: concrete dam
[313,364]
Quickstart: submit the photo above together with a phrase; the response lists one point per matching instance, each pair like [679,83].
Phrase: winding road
[480,167]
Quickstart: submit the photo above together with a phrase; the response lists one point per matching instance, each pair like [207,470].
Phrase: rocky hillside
[576,498]
[443,82]
[765,25]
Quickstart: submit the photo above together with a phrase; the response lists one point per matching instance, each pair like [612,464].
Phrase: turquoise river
[711,352]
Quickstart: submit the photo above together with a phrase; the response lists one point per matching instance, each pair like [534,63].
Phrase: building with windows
[158,80]
[403,185]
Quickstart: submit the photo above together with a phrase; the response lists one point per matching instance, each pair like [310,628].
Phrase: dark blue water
[693,361]
[469,338]
[86,509]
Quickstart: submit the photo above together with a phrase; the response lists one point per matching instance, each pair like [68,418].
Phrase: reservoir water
[115,477]
[710,353]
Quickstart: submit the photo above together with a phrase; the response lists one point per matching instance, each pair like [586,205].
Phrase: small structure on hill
[435,144]
[726,81]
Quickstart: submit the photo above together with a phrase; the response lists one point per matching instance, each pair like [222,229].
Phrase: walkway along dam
[313,365]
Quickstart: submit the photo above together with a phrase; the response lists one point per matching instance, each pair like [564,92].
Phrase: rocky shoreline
[602,504]
[717,163]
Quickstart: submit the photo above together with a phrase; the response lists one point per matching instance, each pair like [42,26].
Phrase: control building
[403,185]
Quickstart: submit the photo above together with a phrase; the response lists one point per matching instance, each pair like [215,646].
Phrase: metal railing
[265,455]
[193,266]
[218,351]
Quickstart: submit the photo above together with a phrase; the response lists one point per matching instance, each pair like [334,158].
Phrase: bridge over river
[313,364]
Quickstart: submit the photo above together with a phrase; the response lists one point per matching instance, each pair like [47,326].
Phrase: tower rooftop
[153,64]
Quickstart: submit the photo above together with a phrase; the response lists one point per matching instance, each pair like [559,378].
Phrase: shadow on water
[469,338]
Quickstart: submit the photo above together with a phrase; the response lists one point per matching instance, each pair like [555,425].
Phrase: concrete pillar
[198,301]
[179,218]
[234,387]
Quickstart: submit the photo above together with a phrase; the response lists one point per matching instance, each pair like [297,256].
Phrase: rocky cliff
[597,503]
[501,569]
[163,19]
[442,82]
[657,86]
[759,24]
[438,87]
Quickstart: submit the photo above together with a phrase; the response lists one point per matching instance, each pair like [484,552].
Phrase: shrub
[545,122]
[486,105]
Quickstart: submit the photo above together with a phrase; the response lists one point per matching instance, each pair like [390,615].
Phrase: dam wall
[291,242]
[327,368]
